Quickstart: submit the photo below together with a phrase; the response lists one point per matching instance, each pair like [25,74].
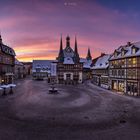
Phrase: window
[123,53]
[122,72]
[134,61]
[131,73]
[128,87]
[123,62]
[115,54]
[133,50]
[132,88]
[119,73]
[135,88]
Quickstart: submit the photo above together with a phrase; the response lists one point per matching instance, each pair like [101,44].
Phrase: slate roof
[128,51]
[83,60]
[17,62]
[68,60]
[44,65]
[7,50]
[68,52]
[86,63]
[102,62]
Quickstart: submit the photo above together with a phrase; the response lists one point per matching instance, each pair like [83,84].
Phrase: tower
[89,57]
[67,41]
[61,55]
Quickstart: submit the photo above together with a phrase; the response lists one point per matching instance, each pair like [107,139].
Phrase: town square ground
[82,112]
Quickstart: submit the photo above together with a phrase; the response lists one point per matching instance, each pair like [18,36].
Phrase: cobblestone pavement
[82,112]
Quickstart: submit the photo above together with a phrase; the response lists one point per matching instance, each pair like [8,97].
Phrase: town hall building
[69,67]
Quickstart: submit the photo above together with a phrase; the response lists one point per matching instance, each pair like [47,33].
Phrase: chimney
[129,44]
[102,54]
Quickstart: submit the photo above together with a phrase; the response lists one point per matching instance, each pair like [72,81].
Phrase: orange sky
[38,51]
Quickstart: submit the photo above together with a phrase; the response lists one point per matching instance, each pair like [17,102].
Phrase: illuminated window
[123,62]
[134,61]
[133,50]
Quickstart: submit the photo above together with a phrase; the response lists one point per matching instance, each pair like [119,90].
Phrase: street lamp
[11,88]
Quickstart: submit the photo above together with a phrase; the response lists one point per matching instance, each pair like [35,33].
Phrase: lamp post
[11,88]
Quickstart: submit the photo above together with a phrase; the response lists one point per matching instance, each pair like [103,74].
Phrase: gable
[68,52]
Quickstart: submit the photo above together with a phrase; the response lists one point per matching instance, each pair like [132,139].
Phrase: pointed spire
[0,38]
[89,57]
[61,44]
[60,55]
[76,50]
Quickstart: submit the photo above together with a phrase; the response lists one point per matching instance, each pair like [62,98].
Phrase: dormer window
[123,53]
[116,54]
[10,52]
[133,50]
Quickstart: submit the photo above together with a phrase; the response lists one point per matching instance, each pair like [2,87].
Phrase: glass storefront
[114,85]
[121,86]
[132,88]
[118,85]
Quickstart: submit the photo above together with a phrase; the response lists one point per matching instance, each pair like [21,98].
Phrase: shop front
[132,88]
[118,85]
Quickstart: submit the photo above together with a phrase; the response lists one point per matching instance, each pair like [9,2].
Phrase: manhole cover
[122,121]
[86,117]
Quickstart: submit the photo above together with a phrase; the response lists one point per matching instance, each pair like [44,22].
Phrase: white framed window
[133,50]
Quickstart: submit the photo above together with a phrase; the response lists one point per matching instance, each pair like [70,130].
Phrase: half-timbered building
[100,71]
[7,62]
[124,69]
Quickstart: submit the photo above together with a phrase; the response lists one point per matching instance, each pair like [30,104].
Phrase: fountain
[53,89]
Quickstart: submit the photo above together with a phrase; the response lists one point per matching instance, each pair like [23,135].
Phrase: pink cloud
[36,28]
